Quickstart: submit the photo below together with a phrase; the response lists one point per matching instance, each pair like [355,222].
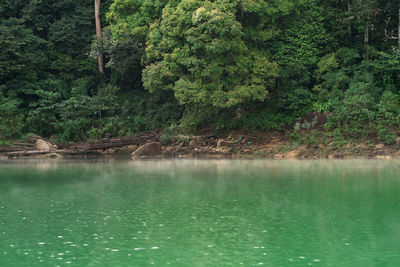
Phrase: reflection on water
[200,213]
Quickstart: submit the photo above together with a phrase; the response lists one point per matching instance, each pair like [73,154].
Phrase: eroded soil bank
[235,145]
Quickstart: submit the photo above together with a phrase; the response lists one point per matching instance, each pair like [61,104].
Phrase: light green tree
[199,50]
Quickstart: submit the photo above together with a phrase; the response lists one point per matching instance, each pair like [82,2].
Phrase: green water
[200,213]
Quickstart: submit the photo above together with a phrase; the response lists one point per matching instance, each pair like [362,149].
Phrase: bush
[11,119]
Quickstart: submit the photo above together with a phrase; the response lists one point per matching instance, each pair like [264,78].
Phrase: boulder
[379,146]
[147,150]
[43,145]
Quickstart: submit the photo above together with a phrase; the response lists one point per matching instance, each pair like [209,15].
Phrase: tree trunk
[98,33]
[398,28]
[349,11]
[366,40]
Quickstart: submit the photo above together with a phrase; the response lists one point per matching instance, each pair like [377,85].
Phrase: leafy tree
[21,58]
[134,17]
[197,50]
[227,63]
[11,118]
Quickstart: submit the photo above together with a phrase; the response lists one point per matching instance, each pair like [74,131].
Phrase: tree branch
[390,37]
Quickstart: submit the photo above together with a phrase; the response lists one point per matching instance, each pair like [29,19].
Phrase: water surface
[200,213]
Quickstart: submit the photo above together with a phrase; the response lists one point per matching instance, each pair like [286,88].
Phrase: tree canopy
[256,64]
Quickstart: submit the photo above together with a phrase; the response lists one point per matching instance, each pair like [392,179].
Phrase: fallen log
[80,148]
[27,153]
[5,149]
[76,151]
[62,152]
[96,148]
[138,139]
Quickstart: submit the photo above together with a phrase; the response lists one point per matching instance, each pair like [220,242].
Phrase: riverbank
[236,145]
[264,145]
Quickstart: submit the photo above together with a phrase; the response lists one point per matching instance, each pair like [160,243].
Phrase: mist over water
[200,213]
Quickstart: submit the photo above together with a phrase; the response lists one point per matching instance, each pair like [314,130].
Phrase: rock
[129,149]
[379,146]
[44,145]
[220,143]
[398,140]
[224,144]
[148,150]
[192,143]
[361,146]
[245,141]
[383,157]
[336,156]
[348,145]
[168,149]
[197,141]
[292,154]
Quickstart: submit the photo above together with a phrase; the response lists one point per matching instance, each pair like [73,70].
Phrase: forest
[255,65]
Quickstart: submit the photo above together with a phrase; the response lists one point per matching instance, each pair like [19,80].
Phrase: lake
[200,213]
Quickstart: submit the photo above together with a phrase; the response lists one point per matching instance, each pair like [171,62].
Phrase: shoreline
[152,145]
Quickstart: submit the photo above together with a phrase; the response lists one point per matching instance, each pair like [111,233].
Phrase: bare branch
[391,37]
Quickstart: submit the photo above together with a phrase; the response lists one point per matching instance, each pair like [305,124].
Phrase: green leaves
[198,50]
[11,118]
[134,17]
[230,63]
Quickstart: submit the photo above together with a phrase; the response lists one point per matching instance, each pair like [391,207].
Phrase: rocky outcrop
[43,145]
[147,150]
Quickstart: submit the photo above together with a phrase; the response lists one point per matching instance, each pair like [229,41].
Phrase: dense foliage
[229,64]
